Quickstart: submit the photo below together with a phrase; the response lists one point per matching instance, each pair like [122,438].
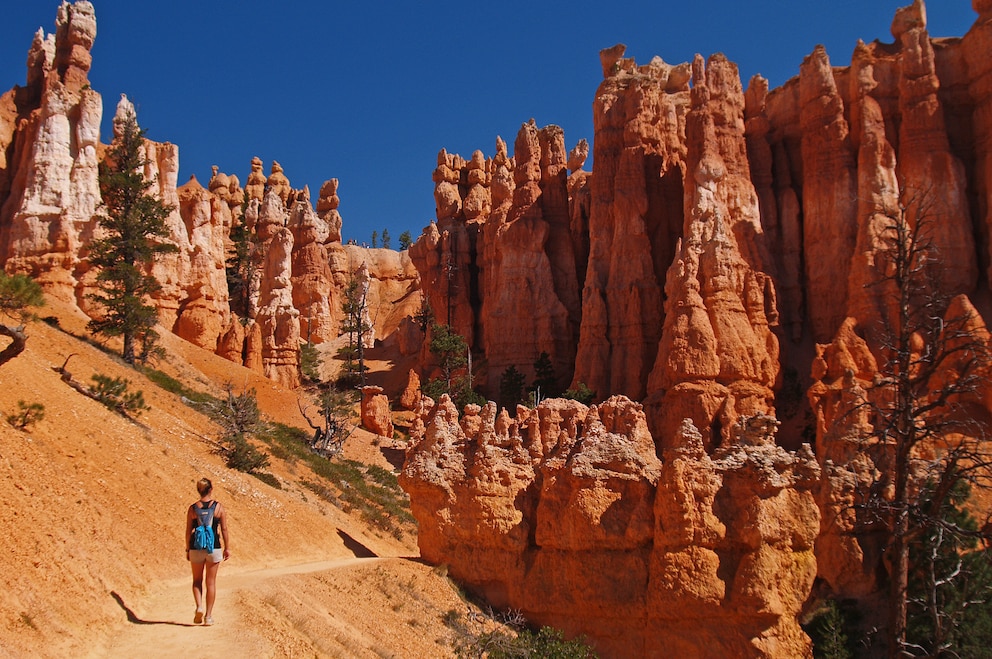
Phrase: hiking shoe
[208,621]
[198,617]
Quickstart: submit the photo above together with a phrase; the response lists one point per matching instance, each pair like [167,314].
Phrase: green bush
[267,478]
[113,393]
[581,393]
[474,639]
[172,385]
[827,629]
[310,362]
[243,456]
[27,415]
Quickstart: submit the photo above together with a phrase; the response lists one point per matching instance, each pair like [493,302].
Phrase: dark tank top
[203,513]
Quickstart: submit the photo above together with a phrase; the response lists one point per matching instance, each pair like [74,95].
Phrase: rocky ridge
[567,513]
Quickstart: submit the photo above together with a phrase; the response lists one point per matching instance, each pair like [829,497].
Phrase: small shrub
[243,456]
[172,385]
[310,362]
[238,414]
[267,478]
[492,636]
[827,628]
[27,415]
[114,394]
[581,393]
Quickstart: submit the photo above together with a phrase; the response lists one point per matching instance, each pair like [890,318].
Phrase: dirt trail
[163,625]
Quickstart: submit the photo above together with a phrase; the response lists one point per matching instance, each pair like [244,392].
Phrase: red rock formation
[932,178]
[529,287]
[411,393]
[977,44]
[718,357]
[567,514]
[376,416]
[446,252]
[843,371]
[255,187]
[311,275]
[276,317]
[204,313]
[48,188]
[635,219]
[327,209]
[278,183]
[829,190]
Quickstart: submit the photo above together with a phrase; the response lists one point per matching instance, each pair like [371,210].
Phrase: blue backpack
[203,532]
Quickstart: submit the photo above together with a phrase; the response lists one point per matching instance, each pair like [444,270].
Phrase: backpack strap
[209,516]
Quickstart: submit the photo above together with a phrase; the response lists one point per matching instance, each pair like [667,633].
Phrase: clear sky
[369,91]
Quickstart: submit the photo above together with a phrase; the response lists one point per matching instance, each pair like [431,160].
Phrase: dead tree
[929,429]
[329,437]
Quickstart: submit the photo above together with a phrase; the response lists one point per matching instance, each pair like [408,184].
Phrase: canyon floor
[93,509]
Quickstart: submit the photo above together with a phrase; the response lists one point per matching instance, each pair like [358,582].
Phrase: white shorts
[203,556]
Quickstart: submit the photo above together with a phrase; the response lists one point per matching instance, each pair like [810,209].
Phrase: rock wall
[49,138]
[567,513]
[502,263]
[804,177]
[730,242]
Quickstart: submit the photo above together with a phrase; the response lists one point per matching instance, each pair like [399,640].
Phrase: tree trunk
[900,585]
[18,342]
[128,353]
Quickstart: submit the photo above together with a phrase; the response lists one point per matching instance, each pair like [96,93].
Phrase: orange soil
[93,560]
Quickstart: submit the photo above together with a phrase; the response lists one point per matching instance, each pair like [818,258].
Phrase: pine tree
[545,381]
[386,238]
[356,327]
[405,240]
[132,220]
[239,265]
[511,388]
[17,293]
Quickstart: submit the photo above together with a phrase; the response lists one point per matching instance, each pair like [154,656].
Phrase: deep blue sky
[369,92]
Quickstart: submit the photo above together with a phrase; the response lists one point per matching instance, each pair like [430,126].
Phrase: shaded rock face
[635,219]
[567,513]
[500,264]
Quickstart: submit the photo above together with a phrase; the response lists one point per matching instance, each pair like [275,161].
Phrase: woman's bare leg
[211,585]
[198,585]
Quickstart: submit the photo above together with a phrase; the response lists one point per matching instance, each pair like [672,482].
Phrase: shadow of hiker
[138,621]
[355,547]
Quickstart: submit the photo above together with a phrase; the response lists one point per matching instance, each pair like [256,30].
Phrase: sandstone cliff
[731,242]
[49,138]
[567,513]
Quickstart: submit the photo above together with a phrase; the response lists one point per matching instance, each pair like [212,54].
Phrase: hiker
[206,524]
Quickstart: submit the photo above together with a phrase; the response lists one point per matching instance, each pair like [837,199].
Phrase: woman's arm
[190,516]
[222,518]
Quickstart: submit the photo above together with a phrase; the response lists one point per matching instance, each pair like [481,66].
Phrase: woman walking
[207,514]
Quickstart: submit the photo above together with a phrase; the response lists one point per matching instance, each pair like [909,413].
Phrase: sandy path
[163,625]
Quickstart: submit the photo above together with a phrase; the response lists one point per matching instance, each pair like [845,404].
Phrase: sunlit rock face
[502,263]
[567,514]
[49,139]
